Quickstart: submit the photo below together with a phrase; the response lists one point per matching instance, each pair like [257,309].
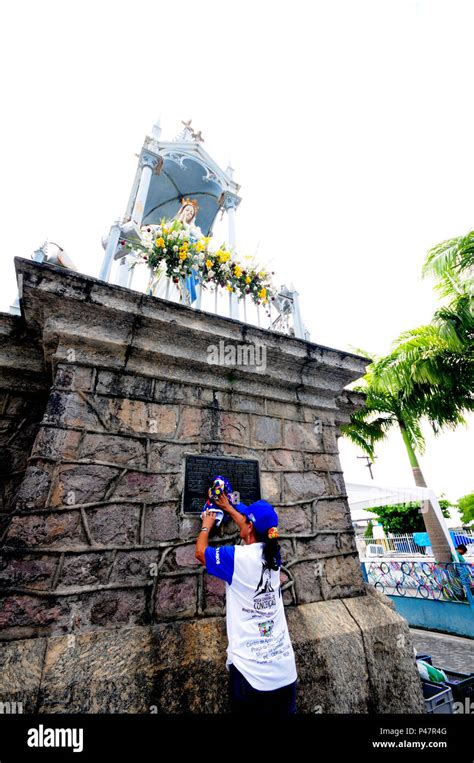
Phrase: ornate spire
[188,133]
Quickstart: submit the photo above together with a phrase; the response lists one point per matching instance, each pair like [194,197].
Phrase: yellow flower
[182,256]
[208,263]
[262,274]
[262,293]
[237,271]
[223,255]
[160,242]
[248,279]
[229,287]
[200,246]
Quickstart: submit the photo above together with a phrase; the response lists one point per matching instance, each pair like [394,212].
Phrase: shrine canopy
[183,169]
[371,496]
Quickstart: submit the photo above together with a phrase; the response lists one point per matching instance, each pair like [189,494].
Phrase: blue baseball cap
[261,513]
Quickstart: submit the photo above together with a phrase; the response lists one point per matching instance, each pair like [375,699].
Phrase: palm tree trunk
[438,541]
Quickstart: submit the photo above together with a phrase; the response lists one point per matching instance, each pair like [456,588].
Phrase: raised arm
[223,503]
[202,541]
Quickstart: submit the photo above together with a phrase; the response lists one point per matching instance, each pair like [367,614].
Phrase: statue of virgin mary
[157,286]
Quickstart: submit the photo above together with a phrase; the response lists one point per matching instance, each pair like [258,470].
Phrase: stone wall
[24,387]
[97,541]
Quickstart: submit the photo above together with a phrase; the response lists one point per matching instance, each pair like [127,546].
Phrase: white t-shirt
[259,642]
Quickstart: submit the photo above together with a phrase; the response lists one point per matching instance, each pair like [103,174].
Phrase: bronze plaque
[242,473]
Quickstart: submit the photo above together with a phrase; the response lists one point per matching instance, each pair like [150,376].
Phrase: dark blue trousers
[245,700]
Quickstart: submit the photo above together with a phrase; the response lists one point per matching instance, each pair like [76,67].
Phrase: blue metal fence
[453,581]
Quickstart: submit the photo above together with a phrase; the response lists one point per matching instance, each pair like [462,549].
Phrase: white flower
[210,273]
[175,248]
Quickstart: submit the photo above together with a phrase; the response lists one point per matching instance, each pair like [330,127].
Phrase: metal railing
[437,581]
[281,315]
[402,544]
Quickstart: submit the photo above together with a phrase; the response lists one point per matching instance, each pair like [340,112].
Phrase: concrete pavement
[452,652]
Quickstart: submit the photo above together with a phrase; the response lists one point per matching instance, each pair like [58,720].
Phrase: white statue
[187,215]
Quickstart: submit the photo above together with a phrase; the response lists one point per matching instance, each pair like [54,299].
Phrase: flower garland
[172,248]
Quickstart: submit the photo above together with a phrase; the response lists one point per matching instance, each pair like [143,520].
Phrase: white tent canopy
[370,496]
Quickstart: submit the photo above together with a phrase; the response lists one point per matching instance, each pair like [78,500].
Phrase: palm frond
[453,256]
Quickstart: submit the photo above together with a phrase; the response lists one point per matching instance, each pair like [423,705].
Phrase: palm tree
[383,410]
[428,373]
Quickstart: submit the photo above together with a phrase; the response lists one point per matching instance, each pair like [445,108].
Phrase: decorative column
[230,204]
[110,250]
[148,163]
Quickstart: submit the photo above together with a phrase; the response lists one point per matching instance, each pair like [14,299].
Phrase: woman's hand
[222,502]
[209,519]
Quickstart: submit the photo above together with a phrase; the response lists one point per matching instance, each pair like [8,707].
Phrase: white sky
[349,125]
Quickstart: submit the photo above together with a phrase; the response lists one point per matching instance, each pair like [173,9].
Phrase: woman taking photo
[260,657]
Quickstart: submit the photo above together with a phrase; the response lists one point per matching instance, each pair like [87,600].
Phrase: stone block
[161,524]
[82,483]
[303,486]
[171,668]
[284,410]
[74,377]
[330,658]
[113,449]
[246,403]
[43,613]
[124,385]
[135,566]
[193,422]
[388,642]
[307,581]
[342,577]
[21,664]
[167,391]
[234,428]
[56,443]
[302,436]
[189,527]
[142,486]
[270,486]
[115,607]
[31,571]
[321,462]
[321,545]
[60,528]
[69,409]
[333,515]
[266,430]
[166,457]
[295,519]
[85,569]
[214,595]
[34,489]
[144,418]
[115,524]
[186,556]
[284,460]
[176,597]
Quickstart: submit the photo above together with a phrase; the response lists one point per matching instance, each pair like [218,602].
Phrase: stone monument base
[353,655]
